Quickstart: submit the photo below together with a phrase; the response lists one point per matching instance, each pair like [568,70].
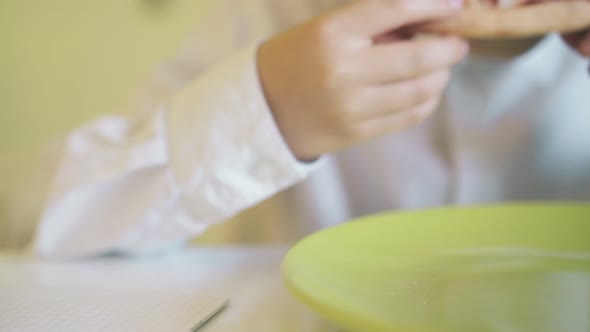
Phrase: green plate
[522,268]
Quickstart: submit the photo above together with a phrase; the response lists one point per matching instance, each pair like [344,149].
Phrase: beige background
[62,63]
[65,61]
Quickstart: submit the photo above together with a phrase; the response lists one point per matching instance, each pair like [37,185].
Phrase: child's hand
[579,41]
[344,77]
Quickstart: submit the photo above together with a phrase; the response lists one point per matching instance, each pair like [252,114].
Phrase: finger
[527,21]
[580,41]
[574,39]
[584,46]
[396,122]
[385,64]
[367,18]
[383,100]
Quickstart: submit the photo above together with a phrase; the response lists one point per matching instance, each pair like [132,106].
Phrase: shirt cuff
[225,147]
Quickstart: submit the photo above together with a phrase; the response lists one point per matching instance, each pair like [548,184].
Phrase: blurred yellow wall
[63,62]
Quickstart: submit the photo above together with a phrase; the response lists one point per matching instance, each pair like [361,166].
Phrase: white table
[248,276]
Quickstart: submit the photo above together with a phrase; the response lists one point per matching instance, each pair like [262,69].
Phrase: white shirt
[201,148]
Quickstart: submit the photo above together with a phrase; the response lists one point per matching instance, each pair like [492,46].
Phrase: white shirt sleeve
[144,184]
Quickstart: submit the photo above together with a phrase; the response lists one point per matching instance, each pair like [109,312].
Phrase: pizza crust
[516,22]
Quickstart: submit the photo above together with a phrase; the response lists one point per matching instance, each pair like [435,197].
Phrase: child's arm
[199,127]
[208,147]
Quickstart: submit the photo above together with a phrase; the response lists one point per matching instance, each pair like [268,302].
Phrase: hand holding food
[494,19]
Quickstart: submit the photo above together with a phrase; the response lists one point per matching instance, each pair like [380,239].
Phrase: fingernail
[456,4]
